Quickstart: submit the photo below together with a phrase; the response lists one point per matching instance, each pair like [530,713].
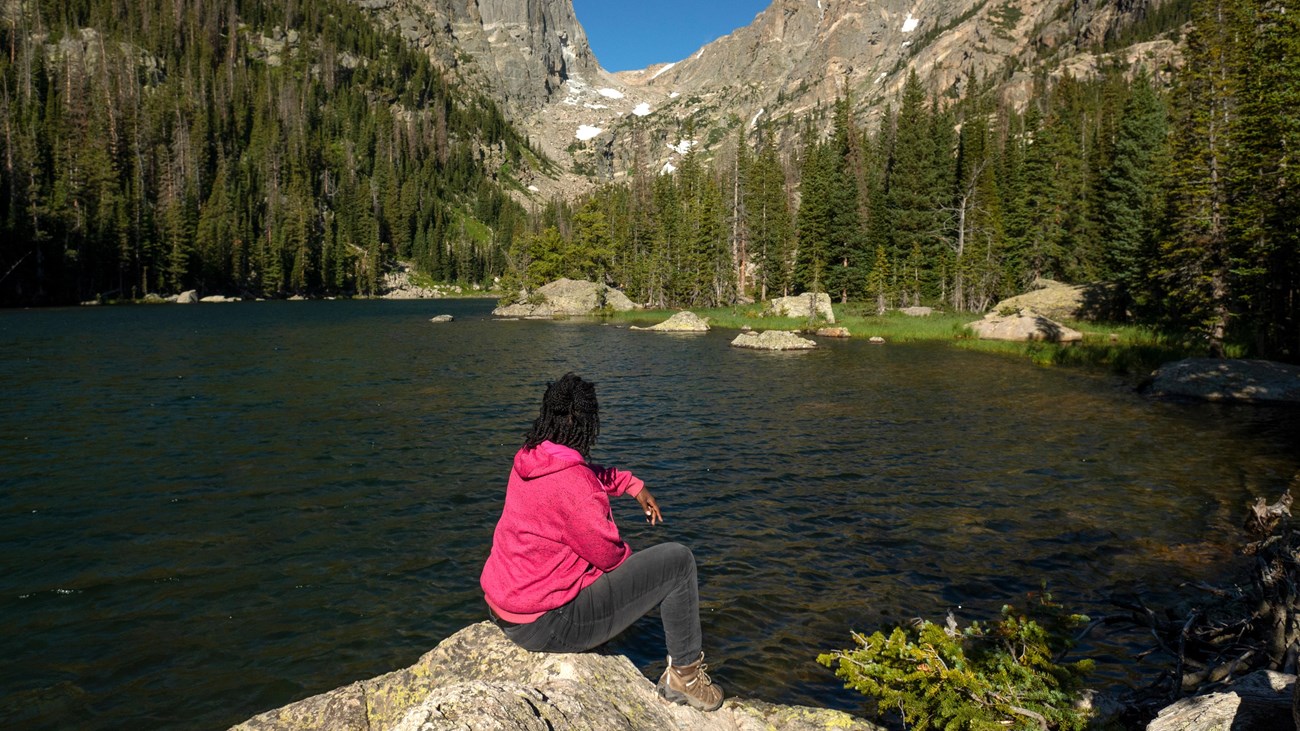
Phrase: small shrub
[984,677]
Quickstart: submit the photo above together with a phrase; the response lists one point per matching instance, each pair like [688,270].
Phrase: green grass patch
[1131,350]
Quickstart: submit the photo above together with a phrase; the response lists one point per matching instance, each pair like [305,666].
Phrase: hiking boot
[690,685]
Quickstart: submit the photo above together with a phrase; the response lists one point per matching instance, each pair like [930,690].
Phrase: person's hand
[650,507]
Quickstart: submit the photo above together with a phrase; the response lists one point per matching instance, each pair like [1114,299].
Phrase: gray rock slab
[1261,700]
[1227,380]
[682,322]
[809,305]
[772,340]
[568,297]
[479,679]
[1024,326]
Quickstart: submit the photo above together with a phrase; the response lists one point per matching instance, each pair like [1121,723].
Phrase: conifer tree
[767,213]
[912,202]
[1129,205]
[1196,256]
[1265,180]
[813,221]
[846,255]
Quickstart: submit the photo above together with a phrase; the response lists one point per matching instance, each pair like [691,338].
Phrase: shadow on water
[207,512]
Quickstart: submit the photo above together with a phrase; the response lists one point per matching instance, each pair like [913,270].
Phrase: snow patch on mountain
[661,71]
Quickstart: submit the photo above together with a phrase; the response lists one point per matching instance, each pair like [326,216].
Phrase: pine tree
[1196,256]
[813,221]
[912,203]
[767,213]
[591,254]
[846,255]
[1130,189]
[1265,180]
[976,222]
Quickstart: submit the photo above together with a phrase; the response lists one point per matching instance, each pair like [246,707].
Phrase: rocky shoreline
[479,679]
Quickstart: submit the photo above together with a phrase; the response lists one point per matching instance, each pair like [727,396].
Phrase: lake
[210,511]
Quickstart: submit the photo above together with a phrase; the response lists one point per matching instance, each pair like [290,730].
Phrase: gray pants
[662,575]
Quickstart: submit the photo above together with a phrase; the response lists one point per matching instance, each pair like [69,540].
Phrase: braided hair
[569,416]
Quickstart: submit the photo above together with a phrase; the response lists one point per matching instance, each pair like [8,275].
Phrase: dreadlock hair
[569,416]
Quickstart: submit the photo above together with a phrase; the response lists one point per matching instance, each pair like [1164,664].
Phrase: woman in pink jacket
[559,577]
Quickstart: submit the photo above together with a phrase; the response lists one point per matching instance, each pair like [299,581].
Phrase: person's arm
[591,531]
[616,482]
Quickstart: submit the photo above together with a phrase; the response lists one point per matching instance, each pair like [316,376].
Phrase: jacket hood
[545,459]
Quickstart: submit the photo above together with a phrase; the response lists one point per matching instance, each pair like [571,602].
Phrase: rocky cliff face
[522,51]
[798,54]
[533,55]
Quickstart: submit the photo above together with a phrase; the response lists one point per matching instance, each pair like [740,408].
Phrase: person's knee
[681,557]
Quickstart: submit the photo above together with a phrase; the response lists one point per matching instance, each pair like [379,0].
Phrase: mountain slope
[246,147]
[794,56]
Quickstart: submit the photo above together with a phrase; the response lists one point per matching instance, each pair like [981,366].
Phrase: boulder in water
[772,340]
[682,322]
[1225,379]
[187,297]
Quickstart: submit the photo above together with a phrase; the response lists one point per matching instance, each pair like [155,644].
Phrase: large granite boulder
[479,679]
[1023,326]
[568,297]
[808,306]
[1219,379]
[772,340]
[1060,301]
[1261,700]
[682,322]
[188,297]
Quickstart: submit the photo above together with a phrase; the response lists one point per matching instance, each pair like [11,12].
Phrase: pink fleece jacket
[556,534]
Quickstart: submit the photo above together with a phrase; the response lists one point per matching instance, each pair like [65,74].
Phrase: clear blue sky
[633,35]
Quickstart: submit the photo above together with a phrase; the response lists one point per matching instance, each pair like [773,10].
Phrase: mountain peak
[534,57]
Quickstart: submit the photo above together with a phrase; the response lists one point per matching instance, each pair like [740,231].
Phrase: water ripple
[208,512]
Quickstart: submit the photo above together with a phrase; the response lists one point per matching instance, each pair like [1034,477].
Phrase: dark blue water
[210,511]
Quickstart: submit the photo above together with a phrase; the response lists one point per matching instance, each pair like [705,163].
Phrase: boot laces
[699,675]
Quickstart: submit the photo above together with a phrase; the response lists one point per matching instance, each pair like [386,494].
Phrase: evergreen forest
[1186,197]
[246,147]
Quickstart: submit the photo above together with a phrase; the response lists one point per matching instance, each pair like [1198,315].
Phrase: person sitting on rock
[560,579]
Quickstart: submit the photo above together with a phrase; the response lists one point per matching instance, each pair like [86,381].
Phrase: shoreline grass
[1123,349]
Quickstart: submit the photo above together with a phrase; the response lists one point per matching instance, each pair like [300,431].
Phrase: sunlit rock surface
[772,340]
[1223,379]
[682,322]
[478,679]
